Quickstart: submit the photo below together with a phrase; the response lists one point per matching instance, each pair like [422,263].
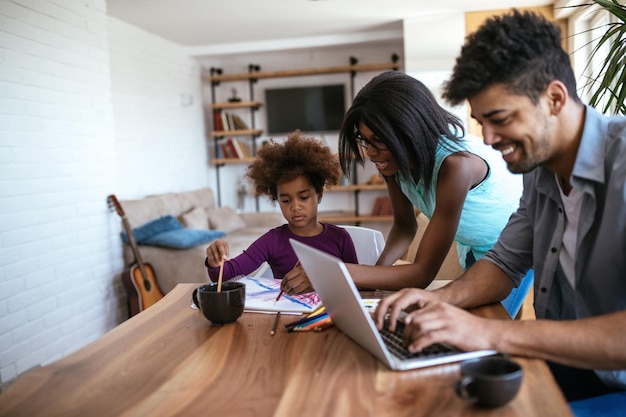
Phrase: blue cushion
[167,231]
[183,238]
[153,228]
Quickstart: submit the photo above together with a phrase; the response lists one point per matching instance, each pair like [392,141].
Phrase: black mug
[222,307]
[489,382]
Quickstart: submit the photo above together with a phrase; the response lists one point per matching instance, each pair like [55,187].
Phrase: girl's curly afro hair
[297,156]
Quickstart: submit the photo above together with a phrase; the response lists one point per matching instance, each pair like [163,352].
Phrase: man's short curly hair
[521,50]
[298,155]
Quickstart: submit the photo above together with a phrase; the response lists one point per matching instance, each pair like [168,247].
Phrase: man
[570,225]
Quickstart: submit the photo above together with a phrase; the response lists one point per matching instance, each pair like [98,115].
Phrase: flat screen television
[310,109]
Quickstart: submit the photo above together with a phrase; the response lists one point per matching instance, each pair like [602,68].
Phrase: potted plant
[608,84]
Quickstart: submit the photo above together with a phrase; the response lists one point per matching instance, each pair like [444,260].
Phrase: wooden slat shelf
[219,133]
[236,105]
[355,219]
[233,161]
[302,72]
[357,187]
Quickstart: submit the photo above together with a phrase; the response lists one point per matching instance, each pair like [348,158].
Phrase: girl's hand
[296,281]
[217,251]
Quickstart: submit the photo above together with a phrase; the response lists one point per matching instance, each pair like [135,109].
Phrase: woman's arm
[457,175]
[403,228]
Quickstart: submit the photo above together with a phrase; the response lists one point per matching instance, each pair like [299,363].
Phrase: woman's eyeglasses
[364,143]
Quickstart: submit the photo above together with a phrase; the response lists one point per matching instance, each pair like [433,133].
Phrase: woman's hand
[217,251]
[296,281]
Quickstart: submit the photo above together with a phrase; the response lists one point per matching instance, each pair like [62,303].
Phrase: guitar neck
[133,245]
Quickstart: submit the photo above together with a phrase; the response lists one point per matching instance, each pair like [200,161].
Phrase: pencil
[305,320]
[309,324]
[318,311]
[313,323]
[278,298]
[318,326]
[219,279]
[275,326]
[281,291]
[323,327]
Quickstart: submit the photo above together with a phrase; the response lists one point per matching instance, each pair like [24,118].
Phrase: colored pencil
[319,324]
[316,312]
[323,327]
[305,320]
[275,326]
[278,298]
[310,324]
[313,324]
[281,291]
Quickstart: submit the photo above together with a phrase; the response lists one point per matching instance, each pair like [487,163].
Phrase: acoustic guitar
[140,280]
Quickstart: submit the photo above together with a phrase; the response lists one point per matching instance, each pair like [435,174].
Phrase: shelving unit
[215,78]
[355,217]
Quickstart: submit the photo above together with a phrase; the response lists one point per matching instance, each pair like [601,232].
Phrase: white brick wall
[160,141]
[89,106]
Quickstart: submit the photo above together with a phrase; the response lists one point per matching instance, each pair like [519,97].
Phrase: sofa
[194,210]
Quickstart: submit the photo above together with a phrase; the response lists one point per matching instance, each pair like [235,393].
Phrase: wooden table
[169,361]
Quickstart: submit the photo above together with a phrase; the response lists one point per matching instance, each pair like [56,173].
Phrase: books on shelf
[238,123]
[231,148]
[382,207]
[226,121]
[217,120]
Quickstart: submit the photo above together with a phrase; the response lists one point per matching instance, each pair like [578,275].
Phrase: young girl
[293,173]
[428,163]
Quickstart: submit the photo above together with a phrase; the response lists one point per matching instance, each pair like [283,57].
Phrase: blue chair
[514,301]
[610,405]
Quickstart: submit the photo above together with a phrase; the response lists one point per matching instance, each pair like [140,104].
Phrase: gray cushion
[225,219]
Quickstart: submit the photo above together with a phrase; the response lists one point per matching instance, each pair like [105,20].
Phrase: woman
[428,163]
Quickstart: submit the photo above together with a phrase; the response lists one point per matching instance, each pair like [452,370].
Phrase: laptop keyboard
[396,346]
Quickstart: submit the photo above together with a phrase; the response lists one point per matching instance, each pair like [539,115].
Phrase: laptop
[339,295]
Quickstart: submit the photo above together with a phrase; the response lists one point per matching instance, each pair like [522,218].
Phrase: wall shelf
[246,132]
[341,219]
[357,187]
[302,72]
[233,161]
[214,77]
[236,105]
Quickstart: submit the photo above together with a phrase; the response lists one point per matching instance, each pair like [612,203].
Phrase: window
[587,25]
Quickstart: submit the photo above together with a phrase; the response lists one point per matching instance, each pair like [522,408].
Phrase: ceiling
[209,27]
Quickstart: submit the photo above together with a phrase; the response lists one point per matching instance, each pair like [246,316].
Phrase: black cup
[221,307]
[489,382]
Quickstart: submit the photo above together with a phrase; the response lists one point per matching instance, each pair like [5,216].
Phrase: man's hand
[430,320]
[404,300]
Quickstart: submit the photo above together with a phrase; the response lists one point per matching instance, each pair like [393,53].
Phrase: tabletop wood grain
[169,361]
